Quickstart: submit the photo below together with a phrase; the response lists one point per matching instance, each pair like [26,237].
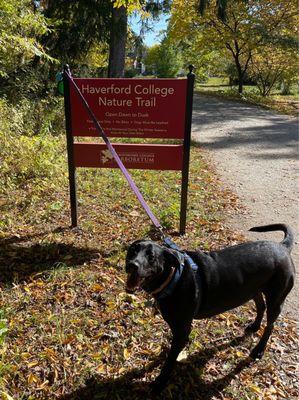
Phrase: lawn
[219,86]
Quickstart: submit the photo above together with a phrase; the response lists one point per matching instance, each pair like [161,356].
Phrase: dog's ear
[134,244]
[170,258]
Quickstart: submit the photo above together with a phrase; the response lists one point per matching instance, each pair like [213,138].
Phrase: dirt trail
[256,154]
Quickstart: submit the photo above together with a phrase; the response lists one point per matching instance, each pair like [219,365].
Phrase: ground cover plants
[69,331]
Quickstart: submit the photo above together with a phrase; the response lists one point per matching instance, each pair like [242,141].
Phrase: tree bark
[240,75]
[117,45]
[240,86]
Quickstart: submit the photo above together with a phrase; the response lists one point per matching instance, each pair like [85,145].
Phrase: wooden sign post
[131,108]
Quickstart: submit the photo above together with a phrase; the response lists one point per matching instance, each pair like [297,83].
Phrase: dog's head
[146,263]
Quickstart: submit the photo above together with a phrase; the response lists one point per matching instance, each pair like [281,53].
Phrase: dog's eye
[133,250]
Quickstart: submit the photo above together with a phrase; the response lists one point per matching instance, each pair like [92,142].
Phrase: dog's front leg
[179,340]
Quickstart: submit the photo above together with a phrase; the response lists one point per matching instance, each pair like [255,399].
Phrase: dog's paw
[256,354]
[252,328]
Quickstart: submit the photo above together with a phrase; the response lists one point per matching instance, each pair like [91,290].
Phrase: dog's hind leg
[258,350]
[274,306]
[260,309]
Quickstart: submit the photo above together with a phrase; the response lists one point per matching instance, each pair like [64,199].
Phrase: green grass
[219,86]
[3,326]
[214,82]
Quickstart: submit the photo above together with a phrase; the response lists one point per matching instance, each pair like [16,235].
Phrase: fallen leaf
[32,364]
[32,379]
[6,396]
[182,356]
[127,353]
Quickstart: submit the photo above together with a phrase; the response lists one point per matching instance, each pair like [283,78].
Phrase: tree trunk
[117,46]
[240,75]
[240,87]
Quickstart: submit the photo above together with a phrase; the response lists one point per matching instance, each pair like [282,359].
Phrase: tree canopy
[249,27]
[163,60]
[76,26]
[21,30]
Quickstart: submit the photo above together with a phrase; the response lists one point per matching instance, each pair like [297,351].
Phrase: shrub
[28,149]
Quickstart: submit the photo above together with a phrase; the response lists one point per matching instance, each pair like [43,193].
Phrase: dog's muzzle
[133,278]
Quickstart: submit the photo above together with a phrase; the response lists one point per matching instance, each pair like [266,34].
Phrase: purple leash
[116,156]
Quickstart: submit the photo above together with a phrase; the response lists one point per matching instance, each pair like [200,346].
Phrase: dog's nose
[131,267]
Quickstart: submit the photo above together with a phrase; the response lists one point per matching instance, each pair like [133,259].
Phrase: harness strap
[190,261]
[114,153]
[169,243]
[183,256]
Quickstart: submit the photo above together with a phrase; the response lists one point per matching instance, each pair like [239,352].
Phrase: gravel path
[256,154]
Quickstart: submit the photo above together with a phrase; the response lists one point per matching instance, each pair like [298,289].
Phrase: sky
[153,36]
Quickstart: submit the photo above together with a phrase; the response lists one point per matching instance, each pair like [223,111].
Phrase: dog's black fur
[228,278]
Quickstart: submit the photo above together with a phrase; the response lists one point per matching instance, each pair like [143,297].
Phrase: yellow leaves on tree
[269,66]
[130,5]
[249,27]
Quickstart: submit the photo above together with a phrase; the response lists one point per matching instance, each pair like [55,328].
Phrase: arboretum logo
[131,157]
[106,156]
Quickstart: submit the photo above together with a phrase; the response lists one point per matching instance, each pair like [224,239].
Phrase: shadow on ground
[21,256]
[187,382]
[273,135]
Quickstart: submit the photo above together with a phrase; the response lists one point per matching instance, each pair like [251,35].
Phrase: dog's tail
[288,240]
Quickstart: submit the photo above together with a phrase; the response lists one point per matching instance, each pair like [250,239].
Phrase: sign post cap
[191,68]
[66,68]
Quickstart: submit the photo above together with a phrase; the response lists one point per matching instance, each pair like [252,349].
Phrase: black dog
[223,280]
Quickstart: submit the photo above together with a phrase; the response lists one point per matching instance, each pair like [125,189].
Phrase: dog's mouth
[133,282]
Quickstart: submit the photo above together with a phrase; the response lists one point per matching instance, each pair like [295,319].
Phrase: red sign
[144,108]
[138,156]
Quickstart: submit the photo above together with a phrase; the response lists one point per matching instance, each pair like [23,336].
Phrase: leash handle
[115,155]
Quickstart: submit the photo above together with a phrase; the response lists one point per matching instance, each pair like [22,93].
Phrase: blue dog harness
[184,257]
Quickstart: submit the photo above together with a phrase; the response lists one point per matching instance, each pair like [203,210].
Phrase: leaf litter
[69,331]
